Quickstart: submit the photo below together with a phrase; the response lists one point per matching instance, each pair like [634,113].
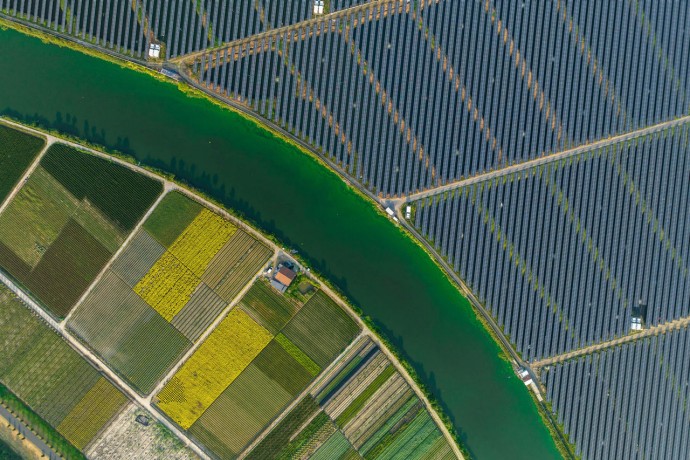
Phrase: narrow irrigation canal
[308,207]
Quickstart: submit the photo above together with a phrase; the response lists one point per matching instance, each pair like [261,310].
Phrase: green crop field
[281,367]
[268,307]
[122,195]
[335,447]
[299,356]
[321,329]
[358,403]
[170,218]
[39,367]
[75,211]
[240,412]
[17,151]
[137,258]
[128,334]
[276,444]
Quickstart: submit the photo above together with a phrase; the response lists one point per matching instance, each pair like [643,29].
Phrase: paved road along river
[287,193]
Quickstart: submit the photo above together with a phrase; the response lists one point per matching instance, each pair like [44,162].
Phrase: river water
[287,193]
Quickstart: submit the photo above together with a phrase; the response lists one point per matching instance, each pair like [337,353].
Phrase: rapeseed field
[213,367]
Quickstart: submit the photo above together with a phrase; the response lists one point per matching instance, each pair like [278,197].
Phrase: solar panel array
[181,26]
[628,402]
[410,95]
[561,253]
[111,24]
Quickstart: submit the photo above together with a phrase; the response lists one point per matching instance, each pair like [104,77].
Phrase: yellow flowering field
[201,240]
[168,286]
[216,364]
[92,413]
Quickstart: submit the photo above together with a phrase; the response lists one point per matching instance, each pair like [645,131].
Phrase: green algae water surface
[308,207]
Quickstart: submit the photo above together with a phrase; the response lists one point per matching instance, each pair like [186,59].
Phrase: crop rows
[121,194]
[277,442]
[408,97]
[92,413]
[128,334]
[240,412]
[246,374]
[74,211]
[283,367]
[168,286]
[137,258]
[172,216]
[561,253]
[49,376]
[267,307]
[336,446]
[219,360]
[201,241]
[321,329]
[628,401]
[17,152]
[374,407]
[235,265]
[203,308]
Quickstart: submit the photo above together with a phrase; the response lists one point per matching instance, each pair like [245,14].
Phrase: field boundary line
[207,332]
[101,367]
[482,177]
[630,337]
[394,361]
[143,402]
[29,171]
[125,245]
[298,399]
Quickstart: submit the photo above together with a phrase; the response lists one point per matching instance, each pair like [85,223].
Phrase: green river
[289,194]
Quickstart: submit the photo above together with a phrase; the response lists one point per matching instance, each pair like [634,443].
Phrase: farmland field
[73,219]
[152,303]
[50,377]
[168,286]
[172,215]
[269,308]
[235,264]
[321,329]
[252,400]
[216,363]
[17,151]
[137,258]
[128,334]
[236,394]
[203,307]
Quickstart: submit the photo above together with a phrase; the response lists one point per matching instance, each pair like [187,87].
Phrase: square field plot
[361,407]
[67,221]
[17,150]
[164,290]
[50,377]
[250,369]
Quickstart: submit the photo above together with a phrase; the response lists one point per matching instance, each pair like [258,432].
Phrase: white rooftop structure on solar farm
[318,6]
[636,324]
[154,50]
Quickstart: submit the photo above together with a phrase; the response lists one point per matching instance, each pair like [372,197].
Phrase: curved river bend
[287,193]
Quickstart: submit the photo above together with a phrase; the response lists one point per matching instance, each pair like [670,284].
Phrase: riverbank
[286,193]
